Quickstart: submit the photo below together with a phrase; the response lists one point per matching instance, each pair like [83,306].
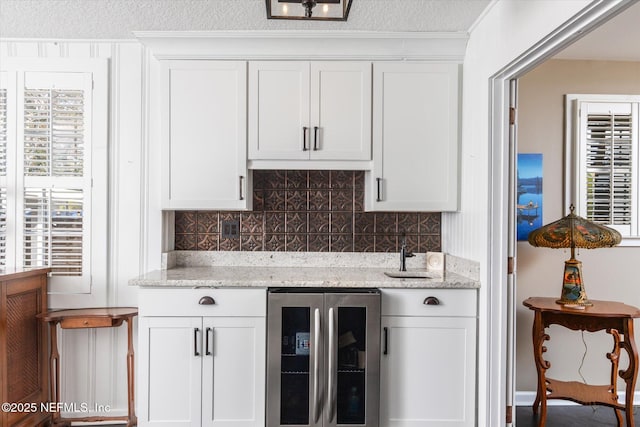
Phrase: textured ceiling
[115,19]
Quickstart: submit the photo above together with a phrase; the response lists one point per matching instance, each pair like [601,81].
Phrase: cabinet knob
[206,300]
[431,301]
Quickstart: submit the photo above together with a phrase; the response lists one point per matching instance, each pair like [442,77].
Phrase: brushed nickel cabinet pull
[207,352]
[206,300]
[431,301]
[304,138]
[315,138]
[385,351]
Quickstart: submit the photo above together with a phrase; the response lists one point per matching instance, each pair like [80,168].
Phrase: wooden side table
[613,317]
[89,318]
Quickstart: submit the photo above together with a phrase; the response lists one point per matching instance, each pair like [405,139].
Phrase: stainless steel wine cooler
[323,354]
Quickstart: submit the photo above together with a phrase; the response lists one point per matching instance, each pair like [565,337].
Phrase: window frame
[573,194]
[93,289]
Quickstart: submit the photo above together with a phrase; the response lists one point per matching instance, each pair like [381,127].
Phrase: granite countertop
[187,269]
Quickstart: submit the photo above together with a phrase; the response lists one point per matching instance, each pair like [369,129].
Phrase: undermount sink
[410,274]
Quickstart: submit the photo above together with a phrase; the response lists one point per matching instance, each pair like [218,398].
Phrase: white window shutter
[55,171]
[608,169]
[3,173]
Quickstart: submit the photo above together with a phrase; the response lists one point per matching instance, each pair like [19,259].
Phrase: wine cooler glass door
[353,354]
[295,360]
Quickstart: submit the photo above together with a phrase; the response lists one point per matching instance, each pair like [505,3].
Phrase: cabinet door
[428,372]
[233,371]
[340,111]
[279,110]
[415,138]
[204,135]
[171,371]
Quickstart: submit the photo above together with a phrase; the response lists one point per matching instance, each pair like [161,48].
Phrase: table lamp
[573,232]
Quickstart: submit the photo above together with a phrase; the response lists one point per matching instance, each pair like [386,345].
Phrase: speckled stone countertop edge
[266,277]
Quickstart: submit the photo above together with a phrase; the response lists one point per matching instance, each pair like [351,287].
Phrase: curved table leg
[630,375]
[539,337]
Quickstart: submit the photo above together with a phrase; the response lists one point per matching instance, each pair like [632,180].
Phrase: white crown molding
[364,45]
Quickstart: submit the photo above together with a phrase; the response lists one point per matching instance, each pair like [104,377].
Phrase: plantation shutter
[609,169]
[3,171]
[56,175]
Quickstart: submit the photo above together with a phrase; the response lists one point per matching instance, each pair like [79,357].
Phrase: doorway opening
[504,149]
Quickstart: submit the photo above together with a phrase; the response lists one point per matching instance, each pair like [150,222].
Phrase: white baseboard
[526,398]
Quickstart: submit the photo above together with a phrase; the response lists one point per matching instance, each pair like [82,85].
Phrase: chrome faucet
[404,254]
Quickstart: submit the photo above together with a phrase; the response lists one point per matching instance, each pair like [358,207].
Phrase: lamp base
[573,293]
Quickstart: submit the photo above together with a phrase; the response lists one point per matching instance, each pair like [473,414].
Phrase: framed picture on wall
[529,193]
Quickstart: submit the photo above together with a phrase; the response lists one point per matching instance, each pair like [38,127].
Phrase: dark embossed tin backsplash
[309,211]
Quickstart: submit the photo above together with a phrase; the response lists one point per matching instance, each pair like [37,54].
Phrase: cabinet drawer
[202,302]
[89,322]
[415,302]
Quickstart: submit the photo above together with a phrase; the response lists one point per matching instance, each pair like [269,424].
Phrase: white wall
[93,360]
[507,30]
[609,274]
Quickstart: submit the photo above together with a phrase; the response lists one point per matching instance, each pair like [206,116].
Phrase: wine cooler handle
[332,366]
[317,404]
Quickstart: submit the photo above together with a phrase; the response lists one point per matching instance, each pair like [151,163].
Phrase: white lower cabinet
[202,364]
[428,361]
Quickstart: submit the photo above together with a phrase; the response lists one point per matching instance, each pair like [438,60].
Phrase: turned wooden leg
[131,375]
[54,372]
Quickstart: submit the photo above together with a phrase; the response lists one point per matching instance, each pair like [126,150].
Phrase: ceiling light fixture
[332,10]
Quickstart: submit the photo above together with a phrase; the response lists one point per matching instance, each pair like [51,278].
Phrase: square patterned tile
[274,222]
[319,200]
[297,180]
[342,200]
[208,242]
[251,242]
[341,222]
[318,242]
[318,222]
[341,180]
[319,180]
[386,223]
[185,222]
[296,200]
[364,243]
[274,242]
[251,223]
[186,242]
[296,242]
[386,243]
[364,223]
[408,223]
[296,222]
[430,222]
[274,200]
[207,222]
[341,243]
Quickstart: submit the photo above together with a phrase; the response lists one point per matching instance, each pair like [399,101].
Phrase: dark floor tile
[570,416]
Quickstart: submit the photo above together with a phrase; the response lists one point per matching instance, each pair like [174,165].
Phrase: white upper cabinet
[415,137]
[310,110]
[204,157]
